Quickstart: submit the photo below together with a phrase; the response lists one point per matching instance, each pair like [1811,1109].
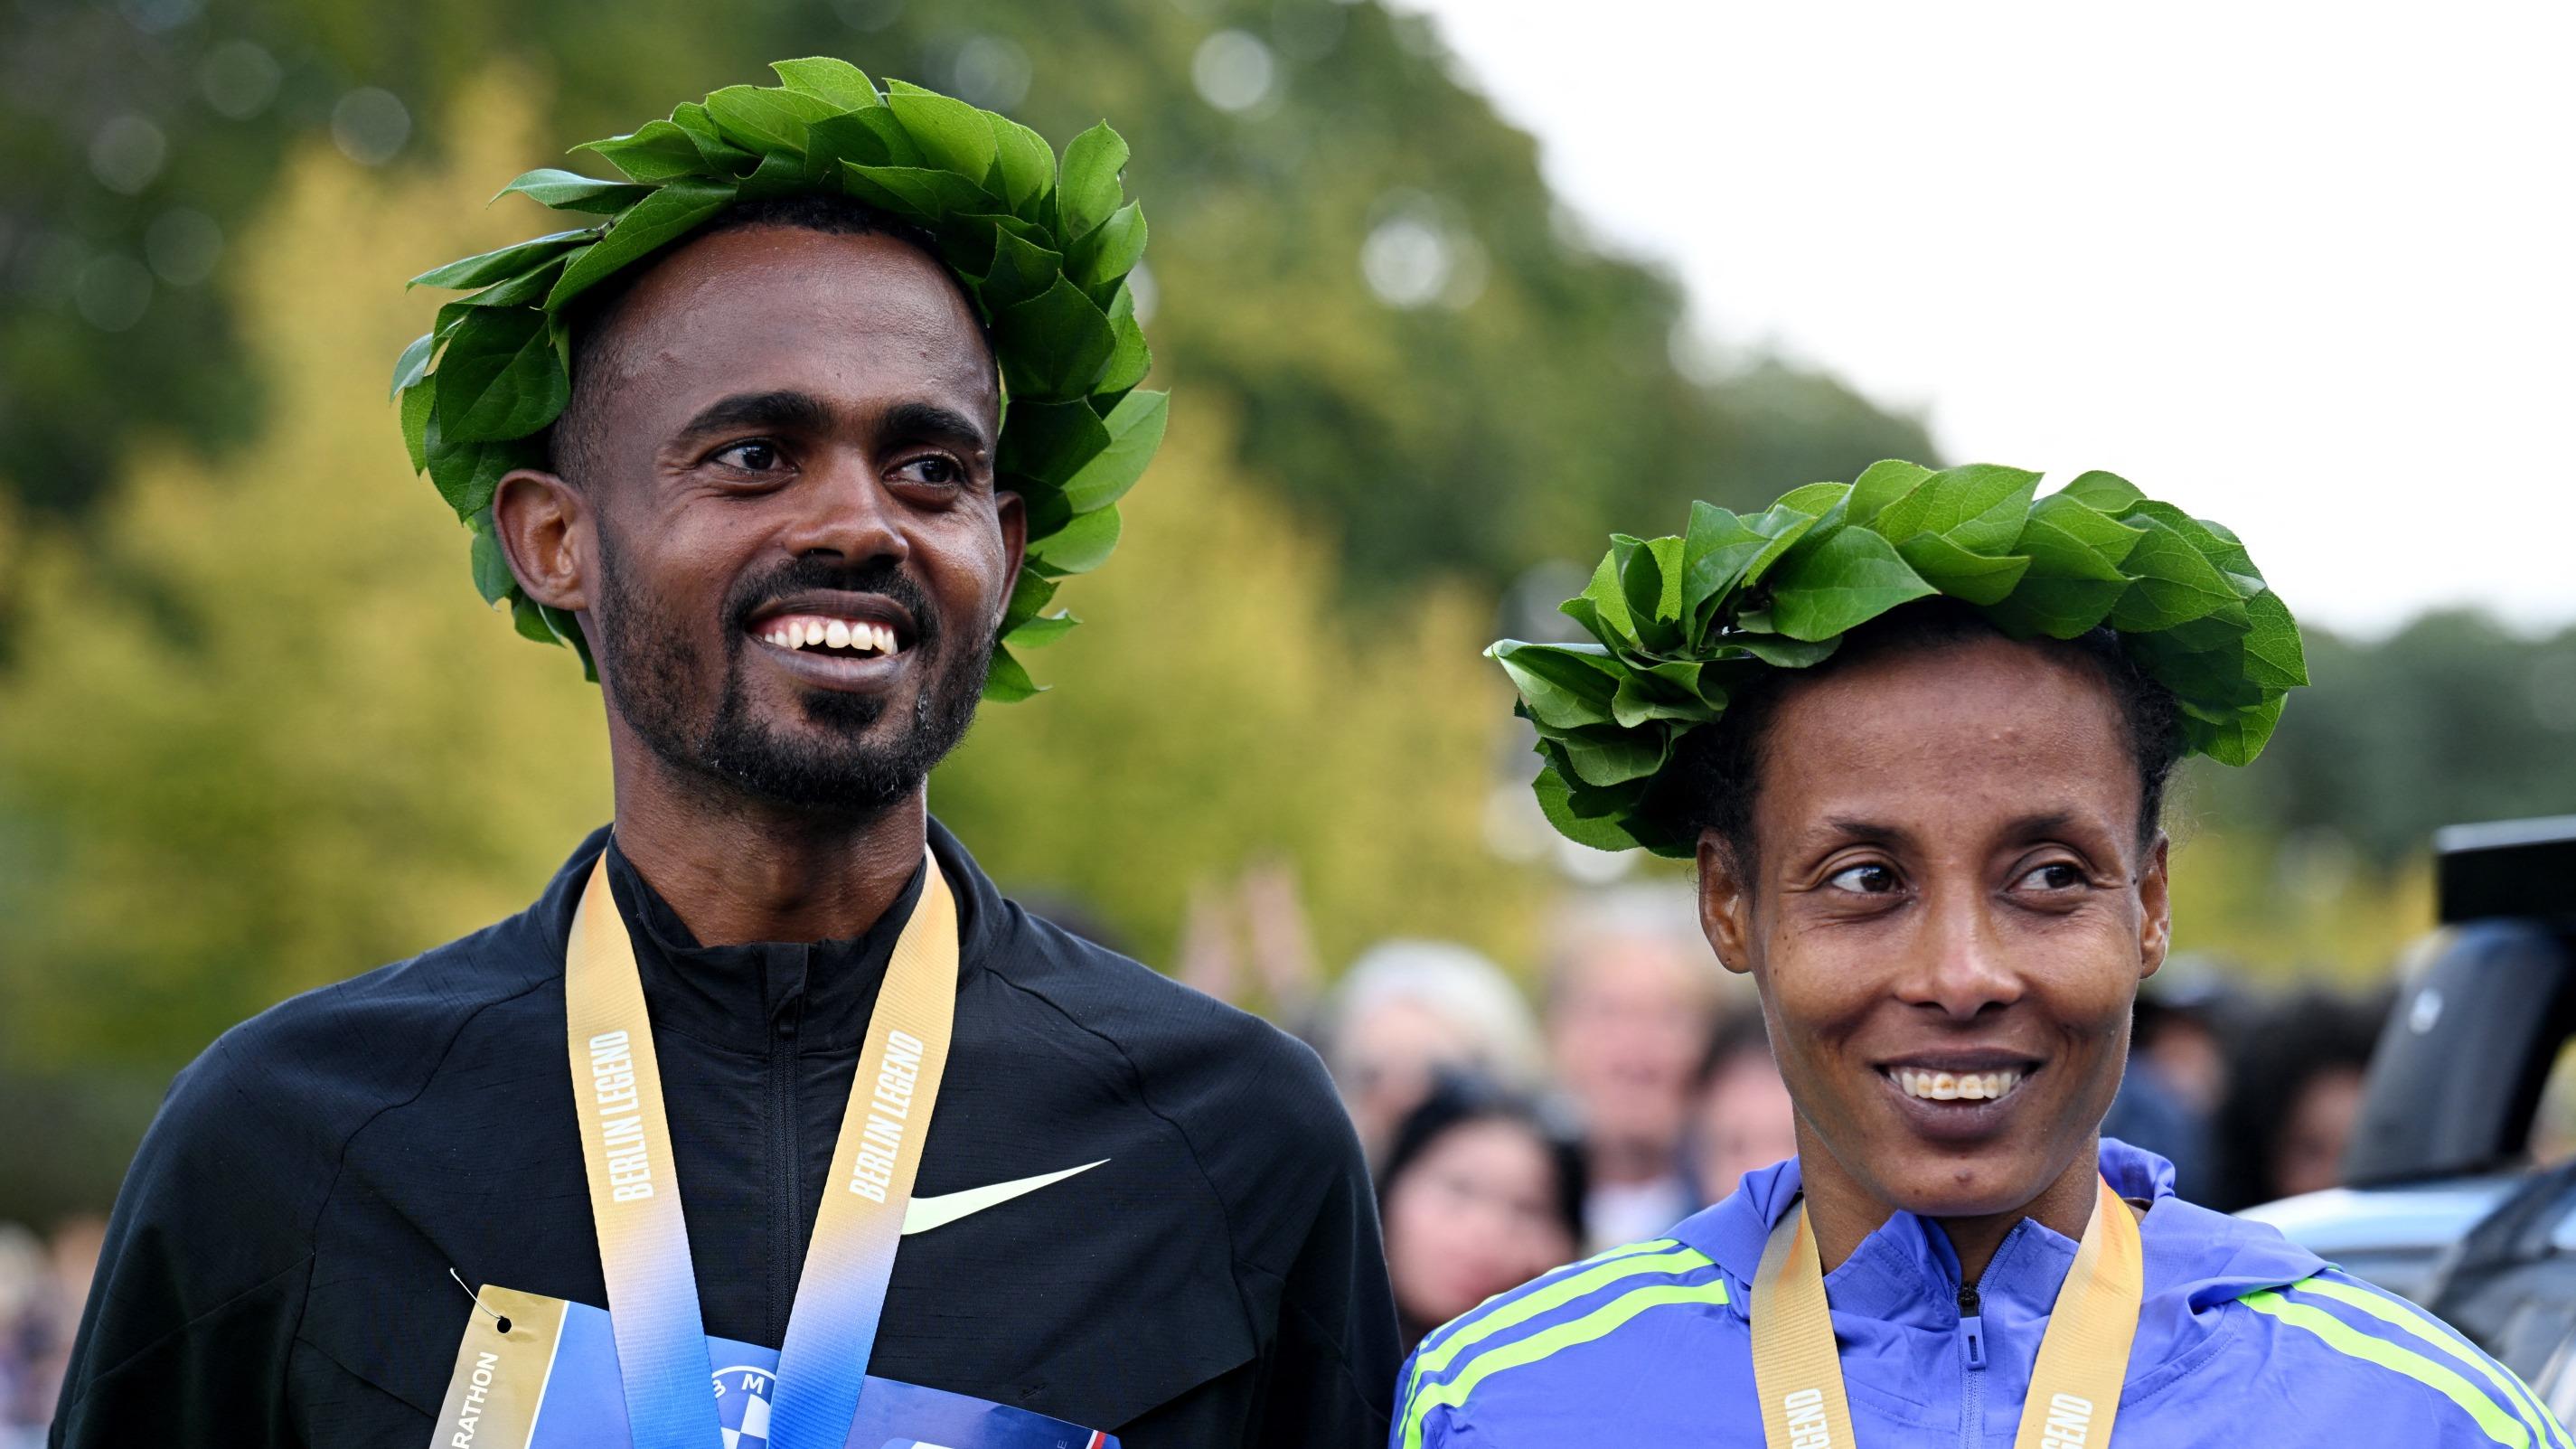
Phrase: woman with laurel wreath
[1915,731]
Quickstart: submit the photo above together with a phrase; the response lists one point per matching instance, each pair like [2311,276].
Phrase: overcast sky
[2305,270]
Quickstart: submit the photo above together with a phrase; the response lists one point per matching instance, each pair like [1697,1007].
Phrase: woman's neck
[1844,1211]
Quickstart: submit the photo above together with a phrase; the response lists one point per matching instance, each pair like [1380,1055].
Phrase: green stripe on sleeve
[1608,1268]
[2500,1426]
[2407,1316]
[1521,1353]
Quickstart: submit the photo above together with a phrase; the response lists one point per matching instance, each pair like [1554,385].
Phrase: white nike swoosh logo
[926,1213]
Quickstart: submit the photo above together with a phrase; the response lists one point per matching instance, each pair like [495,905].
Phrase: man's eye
[2057,875]
[1872,879]
[933,468]
[756,456]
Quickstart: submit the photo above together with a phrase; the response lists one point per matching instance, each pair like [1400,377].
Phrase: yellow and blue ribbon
[635,1189]
[2074,1386]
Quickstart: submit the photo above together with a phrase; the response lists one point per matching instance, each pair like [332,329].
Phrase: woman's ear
[1725,903]
[544,528]
[2155,909]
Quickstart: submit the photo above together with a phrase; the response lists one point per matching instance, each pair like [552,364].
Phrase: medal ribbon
[635,1189]
[2074,1386]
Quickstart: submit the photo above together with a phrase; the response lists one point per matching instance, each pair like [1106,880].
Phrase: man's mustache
[875,576]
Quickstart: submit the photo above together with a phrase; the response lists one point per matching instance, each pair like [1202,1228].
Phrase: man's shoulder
[1633,1327]
[1251,1105]
[322,1061]
[1182,1040]
[2389,1370]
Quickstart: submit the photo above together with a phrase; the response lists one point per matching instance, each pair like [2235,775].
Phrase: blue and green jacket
[2243,1338]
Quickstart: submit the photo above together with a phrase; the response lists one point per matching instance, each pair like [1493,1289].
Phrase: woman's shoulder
[2238,1316]
[1635,1327]
[2366,1368]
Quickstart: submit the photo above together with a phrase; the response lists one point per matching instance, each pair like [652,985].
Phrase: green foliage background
[255,734]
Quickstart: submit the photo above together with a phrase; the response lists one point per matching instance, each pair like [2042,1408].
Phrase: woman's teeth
[842,634]
[1955,1086]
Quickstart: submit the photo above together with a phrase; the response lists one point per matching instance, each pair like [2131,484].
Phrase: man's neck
[737,869]
[1844,1212]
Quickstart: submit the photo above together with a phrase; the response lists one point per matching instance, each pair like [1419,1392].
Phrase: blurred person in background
[2168,1102]
[1245,941]
[2180,1033]
[1741,1116]
[1480,1192]
[1631,1004]
[1409,1010]
[26,1304]
[2295,1080]
[71,1261]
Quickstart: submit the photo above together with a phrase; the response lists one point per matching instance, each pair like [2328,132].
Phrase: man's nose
[1961,967]
[845,509]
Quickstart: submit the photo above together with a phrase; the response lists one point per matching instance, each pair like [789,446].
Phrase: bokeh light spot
[238,79]
[1233,70]
[126,153]
[369,125]
[183,246]
[156,17]
[992,72]
[869,16]
[1307,30]
[1141,287]
[112,292]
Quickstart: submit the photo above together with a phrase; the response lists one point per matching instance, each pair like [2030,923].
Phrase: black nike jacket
[277,1268]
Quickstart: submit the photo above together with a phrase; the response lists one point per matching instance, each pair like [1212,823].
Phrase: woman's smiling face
[1948,909]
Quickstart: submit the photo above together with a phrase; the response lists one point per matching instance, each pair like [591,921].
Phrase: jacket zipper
[785,1241]
[1972,1365]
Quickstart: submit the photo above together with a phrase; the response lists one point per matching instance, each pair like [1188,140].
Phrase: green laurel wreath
[1683,620]
[1044,249]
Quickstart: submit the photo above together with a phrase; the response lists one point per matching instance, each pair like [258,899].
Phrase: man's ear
[547,533]
[1725,904]
[2155,909]
[1013,514]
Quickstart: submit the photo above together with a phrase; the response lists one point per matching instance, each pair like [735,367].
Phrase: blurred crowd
[43,1280]
[1513,1130]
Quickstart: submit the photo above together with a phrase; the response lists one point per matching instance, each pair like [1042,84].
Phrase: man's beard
[651,669]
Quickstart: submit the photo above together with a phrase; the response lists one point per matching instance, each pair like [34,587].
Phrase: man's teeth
[1955,1086]
[802,633]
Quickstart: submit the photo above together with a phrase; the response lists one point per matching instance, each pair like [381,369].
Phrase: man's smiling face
[786,445]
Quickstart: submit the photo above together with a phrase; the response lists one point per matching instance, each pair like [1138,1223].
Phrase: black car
[2445,1205]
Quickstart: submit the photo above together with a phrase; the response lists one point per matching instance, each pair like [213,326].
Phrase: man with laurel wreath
[1915,731]
[772,1122]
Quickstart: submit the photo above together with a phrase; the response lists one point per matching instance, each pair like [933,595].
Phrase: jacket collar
[743,997]
[1906,1273]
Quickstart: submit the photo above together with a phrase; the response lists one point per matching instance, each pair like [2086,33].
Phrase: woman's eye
[2057,875]
[934,469]
[1872,879]
[752,457]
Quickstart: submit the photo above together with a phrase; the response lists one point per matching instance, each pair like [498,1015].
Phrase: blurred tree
[255,736]
[1424,359]
[2316,860]
[2453,718]
[1219,707]
[254,739]
[2303,905]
